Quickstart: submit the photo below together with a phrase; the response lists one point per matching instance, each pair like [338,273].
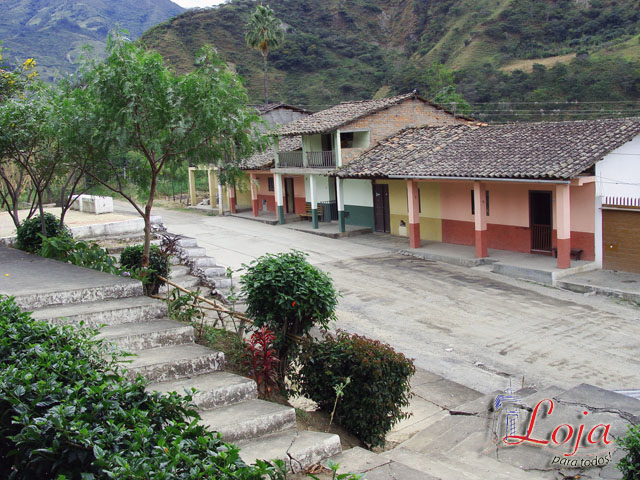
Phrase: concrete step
[222,282]
[178,271]
[194,251]
[173,362]
[204,262]
[215,271]
[116,288]
[298,449]
[187,242]
[185,281]
[249,419]
[105,312]
[133,337]
[214,389]
[376,467]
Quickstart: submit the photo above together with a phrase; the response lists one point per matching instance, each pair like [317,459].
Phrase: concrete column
[254,194]
[597,237]
[211,175]
[192,186]
[231,193]
[340,197]
[337,149]
[277,183]
[314,201]
[220,198]
[414,213]
[480,202]
[563,225]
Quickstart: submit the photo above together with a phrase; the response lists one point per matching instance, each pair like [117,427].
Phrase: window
[271,185]
[346,140]
[473,202]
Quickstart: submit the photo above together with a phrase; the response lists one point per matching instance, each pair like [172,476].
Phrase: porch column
[277,180]
[220,198]
[340,197]
[192,185]
[232,198]
[314,201]
[480,203]
[563,225]
[211,174]
[254,194]
[414,214]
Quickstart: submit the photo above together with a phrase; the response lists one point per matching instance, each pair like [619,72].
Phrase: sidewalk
[624,285]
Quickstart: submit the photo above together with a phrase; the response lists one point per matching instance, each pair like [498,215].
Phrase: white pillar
[314,201]
[597,237]
[340,197]
[220,199]
[277,180]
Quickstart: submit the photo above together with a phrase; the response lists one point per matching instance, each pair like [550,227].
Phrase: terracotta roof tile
[549,150]
[265,160]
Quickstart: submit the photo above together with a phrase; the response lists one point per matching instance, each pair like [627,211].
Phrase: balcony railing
[290,159]
[320,160]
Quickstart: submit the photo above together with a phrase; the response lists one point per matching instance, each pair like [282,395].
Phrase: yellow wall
[430,223]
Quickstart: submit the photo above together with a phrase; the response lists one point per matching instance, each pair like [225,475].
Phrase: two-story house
[330,139]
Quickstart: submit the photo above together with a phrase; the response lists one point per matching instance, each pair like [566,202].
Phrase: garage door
[621,240]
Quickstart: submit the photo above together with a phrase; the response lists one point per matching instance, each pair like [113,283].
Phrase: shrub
[89,255]
[131,257]
[629,465]
[378,389]
[289,296]
[29,232]
[67,411]
[261,361]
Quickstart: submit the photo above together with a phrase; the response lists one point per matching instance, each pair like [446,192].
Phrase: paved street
[470,326]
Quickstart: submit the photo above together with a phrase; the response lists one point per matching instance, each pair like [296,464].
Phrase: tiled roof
[265,160]
[341,114]
[550,150]
[267,107]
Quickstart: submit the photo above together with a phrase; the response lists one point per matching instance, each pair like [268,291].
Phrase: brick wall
[410,113]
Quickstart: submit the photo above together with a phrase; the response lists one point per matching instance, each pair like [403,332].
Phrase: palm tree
[264,32]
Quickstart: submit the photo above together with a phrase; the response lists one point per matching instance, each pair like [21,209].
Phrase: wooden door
[289,199]
[381,208]
[620,239]
[541,221]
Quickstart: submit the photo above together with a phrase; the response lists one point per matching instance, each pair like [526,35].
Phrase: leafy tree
[264,32]
[132,102]
[441,89]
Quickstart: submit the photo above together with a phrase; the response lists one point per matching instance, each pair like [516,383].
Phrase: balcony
[321,160]
[290,159]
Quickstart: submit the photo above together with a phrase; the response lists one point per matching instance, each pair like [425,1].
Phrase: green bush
[30,230]
[131,257]
[629,465]
[89,255]
[67,412]
[378,389]
[289,296]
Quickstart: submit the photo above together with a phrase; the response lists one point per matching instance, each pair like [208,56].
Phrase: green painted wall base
[360,216]
[281,214]
[341,224]
[314,217]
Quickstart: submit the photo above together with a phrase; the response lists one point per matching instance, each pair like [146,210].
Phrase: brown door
[541,221]
[620,240]
[381,208]
[289,199]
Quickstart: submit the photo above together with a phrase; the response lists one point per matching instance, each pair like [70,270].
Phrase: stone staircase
[461,445]
[168,357]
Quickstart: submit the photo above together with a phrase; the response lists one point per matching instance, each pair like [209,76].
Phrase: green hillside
[54,31]
[335,50]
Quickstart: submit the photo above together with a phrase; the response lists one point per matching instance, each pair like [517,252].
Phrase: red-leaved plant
[261,360]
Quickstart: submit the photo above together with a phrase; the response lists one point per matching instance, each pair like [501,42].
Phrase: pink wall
[583,208]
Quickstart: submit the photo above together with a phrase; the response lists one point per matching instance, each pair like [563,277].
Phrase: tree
[441,89]
[133,105]
[264,32]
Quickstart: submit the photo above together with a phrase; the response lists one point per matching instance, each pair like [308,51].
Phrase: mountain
[54,31]
[499,50]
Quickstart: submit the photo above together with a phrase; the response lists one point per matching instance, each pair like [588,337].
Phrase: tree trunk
[266,96]
[43,225]
[147,219]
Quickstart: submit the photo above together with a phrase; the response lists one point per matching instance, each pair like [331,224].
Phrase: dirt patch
[527,65]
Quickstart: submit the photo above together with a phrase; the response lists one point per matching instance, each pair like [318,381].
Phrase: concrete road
[470,326]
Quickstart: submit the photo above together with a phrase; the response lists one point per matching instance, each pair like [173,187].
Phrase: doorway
[381,208]
[289,199]
[541,221]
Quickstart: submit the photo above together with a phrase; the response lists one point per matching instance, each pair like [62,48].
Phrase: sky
[197,3]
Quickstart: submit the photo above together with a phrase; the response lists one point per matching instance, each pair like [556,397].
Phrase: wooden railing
[321,160]
[290,159]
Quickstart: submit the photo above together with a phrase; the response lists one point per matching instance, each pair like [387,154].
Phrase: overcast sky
[197,3]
